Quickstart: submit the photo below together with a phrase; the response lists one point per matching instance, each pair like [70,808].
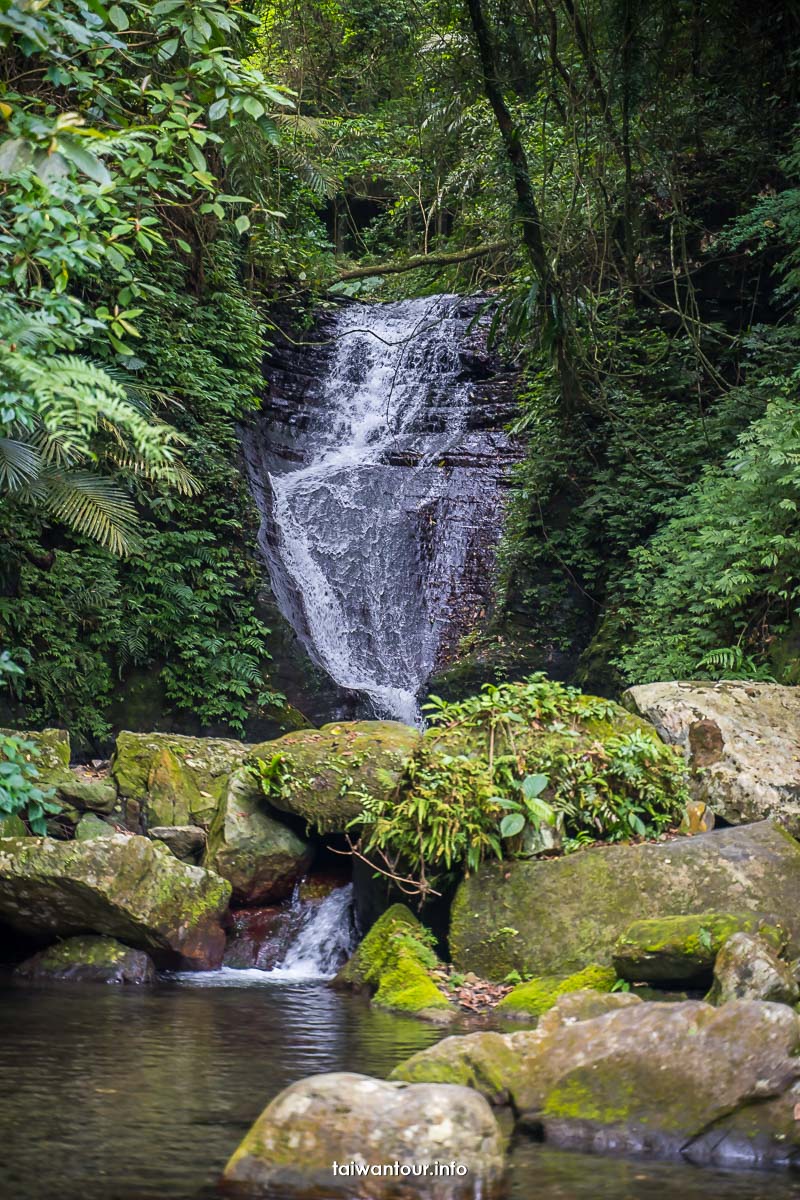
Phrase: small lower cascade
[378,468]
[308,938]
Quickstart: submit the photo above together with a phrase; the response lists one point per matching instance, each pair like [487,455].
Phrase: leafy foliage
[20,792]
[517,755]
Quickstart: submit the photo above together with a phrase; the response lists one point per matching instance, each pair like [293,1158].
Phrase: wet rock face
[382,441]
[122,886]
[344,1117]
[712,1085]
[553,917]
[88,960]
[742,738]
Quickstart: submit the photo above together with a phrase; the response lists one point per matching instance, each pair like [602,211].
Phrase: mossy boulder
[123,886]
[536,996]
[485,1061]
[342,1117]
[394,961]
[12,826]
[91,826]
[88,959]
[683,949]
[260,857]
[739,738]
[52,759]
[169,779]
[747,968]
[187,842]
[556,916]
[322,771]
[685,1080]
[88,795]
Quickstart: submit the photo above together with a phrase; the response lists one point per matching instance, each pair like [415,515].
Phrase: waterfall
[379,496]
[318,935]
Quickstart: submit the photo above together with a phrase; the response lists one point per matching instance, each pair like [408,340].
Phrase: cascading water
[305,940]
[374,509]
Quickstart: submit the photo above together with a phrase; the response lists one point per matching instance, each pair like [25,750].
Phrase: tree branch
[423,260]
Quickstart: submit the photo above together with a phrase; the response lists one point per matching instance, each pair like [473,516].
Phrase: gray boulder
[345,1118]
[187,842]
[88,959]
[556,916]
[741,738]
[123,886]
[712,1085]
[261,858]
[747,968]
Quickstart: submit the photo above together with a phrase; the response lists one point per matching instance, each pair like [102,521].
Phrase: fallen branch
[423,260]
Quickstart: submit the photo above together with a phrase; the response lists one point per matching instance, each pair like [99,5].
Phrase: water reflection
[127,1094]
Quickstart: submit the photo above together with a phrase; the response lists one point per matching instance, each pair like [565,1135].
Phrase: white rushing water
[357,558]
[324,940]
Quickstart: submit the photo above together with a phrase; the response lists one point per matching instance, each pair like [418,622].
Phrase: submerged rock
[536,996]
[169,779]
[261,858]
[556,916]
[321,771]
[747,968]
[124,886]
[394,961]
[350,1119]
[683,949]
[742,739]
[714,1085]
[88,960]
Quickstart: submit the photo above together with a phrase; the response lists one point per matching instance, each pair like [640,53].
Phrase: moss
[578,1100]
[538,995]
[485,1061]
[394,961]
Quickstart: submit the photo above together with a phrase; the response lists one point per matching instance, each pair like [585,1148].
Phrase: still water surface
[128,1094]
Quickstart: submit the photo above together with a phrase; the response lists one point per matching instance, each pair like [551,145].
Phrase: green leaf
[118,16]
[512,824]
[218,109]
[534,785]
[253,106]
[242,223]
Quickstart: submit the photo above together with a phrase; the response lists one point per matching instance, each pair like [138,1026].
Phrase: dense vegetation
[175,175]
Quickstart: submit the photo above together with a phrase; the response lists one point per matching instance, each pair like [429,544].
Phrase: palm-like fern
[60,416]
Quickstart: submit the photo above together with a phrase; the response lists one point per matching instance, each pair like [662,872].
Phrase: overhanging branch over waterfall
[396,266]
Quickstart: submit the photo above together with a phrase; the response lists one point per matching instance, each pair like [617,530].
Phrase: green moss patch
[536,996]
[683,948]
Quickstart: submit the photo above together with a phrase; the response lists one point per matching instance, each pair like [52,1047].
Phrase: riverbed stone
[714,1085]
[262,858]
[394,961]
[748,968]
[345,1118]
[556,916]
[171,779]
[683,949]
[187,842]
[123,886]
[88,959]
[322,771]
[91,826]
[741,739]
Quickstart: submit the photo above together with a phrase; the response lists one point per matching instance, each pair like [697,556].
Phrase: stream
[142,1094]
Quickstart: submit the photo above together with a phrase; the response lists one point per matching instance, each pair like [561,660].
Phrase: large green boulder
[124,886]
[394,961]
[683,949]
[556,916]
[88,959]
[318,774]
[709,1085]
[741,740]
[169,779]
[260,857]
[340,1118]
